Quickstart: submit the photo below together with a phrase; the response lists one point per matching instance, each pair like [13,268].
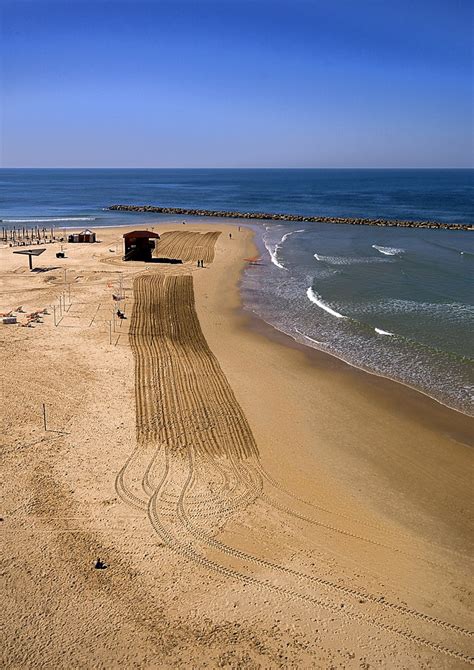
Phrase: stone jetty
[180,211]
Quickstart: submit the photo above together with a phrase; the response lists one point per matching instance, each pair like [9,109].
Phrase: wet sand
[259,504]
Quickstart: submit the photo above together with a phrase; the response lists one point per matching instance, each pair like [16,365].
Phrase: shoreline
[355,499]
[272,331]
[261,216]
[381,396]
[319,358]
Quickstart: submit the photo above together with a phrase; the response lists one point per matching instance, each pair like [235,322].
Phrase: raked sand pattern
[196,467]
[189,246]
[171,455]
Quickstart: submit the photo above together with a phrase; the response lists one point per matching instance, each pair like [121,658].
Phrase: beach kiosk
[84,237]
[139,245]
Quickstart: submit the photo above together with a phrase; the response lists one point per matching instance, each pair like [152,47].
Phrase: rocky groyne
[180,211]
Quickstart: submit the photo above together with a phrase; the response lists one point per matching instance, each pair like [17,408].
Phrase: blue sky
[247,83]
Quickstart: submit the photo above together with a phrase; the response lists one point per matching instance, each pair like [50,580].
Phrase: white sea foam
[388,251]
[287,235]
[452,310]
[349,260]
[273,251]
[314,297]
[382,332]
[50,220]
[307,337]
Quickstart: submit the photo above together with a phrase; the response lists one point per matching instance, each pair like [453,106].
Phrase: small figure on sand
[230,236]
[100,565]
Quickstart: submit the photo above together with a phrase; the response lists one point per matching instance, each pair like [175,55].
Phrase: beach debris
[100,565]
[9,319]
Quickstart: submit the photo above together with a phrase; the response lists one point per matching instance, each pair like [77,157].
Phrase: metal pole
[110,332]
[44,416]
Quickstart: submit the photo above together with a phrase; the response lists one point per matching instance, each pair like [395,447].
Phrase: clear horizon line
[156,167]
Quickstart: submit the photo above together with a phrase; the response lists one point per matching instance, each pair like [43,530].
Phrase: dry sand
[259,505]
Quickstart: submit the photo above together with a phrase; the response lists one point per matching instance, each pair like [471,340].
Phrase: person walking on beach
[230,236]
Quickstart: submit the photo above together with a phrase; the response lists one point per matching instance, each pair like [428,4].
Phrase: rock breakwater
[180,211]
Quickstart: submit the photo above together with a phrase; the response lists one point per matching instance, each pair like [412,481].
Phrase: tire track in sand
[186,408]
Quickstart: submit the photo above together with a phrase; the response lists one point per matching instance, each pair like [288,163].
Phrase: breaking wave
[50,220]
[273,249]
[388,251]
[287,235]
[314,297]
[349,260]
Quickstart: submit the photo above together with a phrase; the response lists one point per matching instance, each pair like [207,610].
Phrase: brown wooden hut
[139,245]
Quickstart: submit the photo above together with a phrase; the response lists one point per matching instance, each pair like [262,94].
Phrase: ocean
[396,302]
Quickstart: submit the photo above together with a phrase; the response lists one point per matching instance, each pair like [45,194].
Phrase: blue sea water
[443,195]
[397,302]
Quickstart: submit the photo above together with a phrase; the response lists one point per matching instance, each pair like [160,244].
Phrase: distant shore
[152,209]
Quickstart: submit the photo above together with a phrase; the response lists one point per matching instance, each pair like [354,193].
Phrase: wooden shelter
[139,245]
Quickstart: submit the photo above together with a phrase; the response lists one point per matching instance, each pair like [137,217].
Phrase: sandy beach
[258,504]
